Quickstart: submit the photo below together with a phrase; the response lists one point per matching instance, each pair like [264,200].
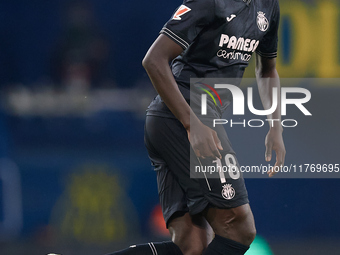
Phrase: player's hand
[204,141]
[274,141]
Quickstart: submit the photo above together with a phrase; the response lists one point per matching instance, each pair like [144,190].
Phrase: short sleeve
[188,21]
[268,45]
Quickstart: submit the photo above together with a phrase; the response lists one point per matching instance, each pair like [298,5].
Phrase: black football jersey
[218,38]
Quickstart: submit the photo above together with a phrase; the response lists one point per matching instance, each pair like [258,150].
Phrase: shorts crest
[228,192]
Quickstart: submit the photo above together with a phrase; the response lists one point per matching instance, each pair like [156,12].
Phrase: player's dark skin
[193,233]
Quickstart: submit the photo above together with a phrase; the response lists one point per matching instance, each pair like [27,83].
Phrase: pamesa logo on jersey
[262,21]
[236,48]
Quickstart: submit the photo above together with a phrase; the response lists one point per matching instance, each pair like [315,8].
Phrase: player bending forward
[206,38]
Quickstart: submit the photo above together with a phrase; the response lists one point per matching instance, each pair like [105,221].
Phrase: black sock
[223,246]
[163,248]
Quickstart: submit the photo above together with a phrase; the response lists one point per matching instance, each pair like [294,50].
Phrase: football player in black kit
[206,39]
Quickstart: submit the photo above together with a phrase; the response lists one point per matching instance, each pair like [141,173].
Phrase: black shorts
[182,189]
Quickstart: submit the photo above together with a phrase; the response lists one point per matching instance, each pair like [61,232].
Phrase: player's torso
[225,47]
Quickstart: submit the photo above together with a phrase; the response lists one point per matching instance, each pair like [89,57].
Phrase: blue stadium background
[74,173]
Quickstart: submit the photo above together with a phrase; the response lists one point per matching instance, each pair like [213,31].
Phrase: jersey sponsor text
[240,43]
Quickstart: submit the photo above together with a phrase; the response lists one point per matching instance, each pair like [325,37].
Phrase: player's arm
[156,62]
[267,79]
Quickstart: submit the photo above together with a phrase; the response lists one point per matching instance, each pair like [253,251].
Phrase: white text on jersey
[241,44]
